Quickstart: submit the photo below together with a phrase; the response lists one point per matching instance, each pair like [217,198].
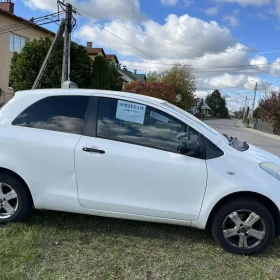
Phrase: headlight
[271,168]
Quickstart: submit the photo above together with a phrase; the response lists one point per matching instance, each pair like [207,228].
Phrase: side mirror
[188,147]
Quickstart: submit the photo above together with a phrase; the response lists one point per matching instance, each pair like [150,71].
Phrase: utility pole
[66,28]
[245,108]
[67,45]
[256,87]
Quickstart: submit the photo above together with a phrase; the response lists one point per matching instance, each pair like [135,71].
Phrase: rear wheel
[243,227]
[15,200]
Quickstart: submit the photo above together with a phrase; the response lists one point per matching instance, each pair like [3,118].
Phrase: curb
[264,134]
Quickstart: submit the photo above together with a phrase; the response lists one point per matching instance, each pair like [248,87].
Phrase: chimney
[89,45]
[7,5]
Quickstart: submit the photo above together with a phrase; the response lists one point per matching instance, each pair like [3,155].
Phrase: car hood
[261,155]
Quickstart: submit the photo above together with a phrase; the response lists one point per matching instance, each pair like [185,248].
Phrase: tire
[235,232]
[15,193]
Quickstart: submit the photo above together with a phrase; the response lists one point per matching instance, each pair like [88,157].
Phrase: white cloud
[231,20]
[228,81]
[259,60]
[212,11]
[277,7]
[202,93]
[187,3]
[275,67]
[169,2]
[50,5]
[196,37]
[241,81]
[107,9]
[257,3]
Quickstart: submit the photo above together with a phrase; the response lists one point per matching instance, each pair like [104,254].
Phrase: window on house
[17,42]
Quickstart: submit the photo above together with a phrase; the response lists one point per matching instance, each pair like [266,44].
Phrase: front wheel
[243,227]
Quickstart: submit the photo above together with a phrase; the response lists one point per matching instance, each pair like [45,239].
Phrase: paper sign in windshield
[130,112]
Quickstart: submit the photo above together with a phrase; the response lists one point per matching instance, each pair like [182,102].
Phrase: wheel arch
[8,171]
[268,203]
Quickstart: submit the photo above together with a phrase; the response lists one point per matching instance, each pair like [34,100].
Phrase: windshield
[233,142]
[196,120]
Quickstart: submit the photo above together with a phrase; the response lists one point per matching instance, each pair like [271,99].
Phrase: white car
[135,157]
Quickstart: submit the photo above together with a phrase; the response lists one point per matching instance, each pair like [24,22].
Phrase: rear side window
[56,113]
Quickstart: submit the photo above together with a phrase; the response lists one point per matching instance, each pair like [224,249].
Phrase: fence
[266,127]
[5,97]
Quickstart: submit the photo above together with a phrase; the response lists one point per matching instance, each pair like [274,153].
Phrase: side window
[57,113]
[142,125]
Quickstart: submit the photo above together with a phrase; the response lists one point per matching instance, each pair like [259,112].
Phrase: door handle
[93,150]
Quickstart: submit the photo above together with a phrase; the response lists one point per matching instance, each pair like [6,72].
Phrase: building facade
[15,31]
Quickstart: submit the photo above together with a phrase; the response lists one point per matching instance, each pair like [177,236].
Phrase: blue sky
[216,37]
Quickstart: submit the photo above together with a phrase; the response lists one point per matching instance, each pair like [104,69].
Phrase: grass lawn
[52,245]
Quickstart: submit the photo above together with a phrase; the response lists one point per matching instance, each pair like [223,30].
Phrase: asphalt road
[235,128]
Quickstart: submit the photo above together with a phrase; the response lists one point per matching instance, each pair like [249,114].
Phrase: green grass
[53,245]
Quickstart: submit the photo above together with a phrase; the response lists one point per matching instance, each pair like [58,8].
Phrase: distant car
[135,157]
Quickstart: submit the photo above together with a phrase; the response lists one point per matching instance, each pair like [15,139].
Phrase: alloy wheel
[8,201]
[244,229]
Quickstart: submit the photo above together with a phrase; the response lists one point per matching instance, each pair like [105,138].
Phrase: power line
[207,67]
[270,86]
[121,39]
[202,70]
[248,66]
[199,70]
[144,51]
[154,38]
[32,22]
[28,24]
[101,27]
[34,25]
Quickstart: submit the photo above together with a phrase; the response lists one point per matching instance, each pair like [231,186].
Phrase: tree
[269,109]
[256,113]
[153,77]
[105,75]
[181,77]
[218,104]
[158,89]
[26,65]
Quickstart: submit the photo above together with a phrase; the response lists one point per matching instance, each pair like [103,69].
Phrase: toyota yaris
[135,157]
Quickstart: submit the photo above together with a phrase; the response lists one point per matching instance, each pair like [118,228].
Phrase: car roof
[59,91]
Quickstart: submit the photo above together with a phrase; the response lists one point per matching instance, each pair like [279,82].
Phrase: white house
[205,109]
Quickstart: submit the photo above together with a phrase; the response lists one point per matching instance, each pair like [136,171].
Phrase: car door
[41,143]
[128,162]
